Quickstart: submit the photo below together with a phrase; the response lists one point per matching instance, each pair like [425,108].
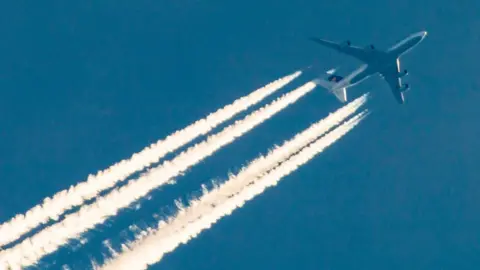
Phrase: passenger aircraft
[385,63]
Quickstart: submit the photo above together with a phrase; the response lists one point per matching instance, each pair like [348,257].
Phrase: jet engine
[346,43]
[404,88]
[402,74]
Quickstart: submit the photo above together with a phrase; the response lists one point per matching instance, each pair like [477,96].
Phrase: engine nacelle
[404,88]
[402,74]
[346,43]
[370,47]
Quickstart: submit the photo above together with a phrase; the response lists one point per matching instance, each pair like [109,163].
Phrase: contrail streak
[54,206]
[279,154]
[205,211]
[32,249]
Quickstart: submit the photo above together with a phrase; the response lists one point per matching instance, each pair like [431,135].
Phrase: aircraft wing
[361,54]
[390,75]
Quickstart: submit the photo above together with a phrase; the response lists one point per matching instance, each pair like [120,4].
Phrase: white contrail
[279,154]
[32,249]
[53,207]
[204,212]
[263,164]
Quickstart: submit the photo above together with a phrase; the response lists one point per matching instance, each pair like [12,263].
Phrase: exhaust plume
[53,207]
[32,249]
[207,210]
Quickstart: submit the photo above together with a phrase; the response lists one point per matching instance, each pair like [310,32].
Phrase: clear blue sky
[84,85]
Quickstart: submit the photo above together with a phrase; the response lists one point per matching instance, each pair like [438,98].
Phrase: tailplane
[330,81]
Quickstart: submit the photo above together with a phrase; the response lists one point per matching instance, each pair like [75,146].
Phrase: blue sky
[84,85]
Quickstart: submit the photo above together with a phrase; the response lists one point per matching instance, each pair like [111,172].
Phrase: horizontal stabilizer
[331,71]
[330,82]
[341,94]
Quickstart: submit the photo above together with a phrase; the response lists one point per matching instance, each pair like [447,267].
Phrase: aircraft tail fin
[330,82]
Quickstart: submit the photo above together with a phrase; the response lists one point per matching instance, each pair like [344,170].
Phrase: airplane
[386,63]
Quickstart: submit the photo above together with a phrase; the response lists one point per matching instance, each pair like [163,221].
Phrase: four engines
[404,88]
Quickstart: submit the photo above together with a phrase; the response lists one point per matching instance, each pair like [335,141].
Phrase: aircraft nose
[424,34]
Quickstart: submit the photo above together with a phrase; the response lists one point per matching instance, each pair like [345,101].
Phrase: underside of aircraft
[386,63]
